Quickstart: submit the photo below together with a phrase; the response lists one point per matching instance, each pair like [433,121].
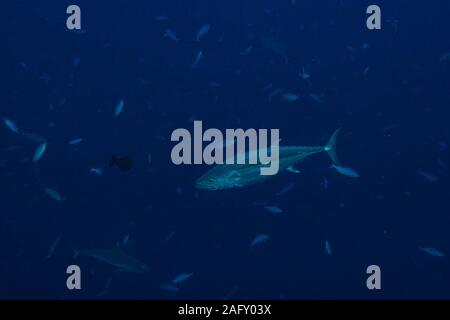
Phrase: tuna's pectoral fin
[292,169]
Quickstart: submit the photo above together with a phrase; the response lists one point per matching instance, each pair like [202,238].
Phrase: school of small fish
[273,93]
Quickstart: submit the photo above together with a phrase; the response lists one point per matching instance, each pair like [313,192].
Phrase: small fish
[11,125]
[231,293]
[214,84]
[161,18]
[304,75]
[351,49]
[202,31]
[276,47]
[273,209]
[169,236]
[76,61]
[324,184]
[53,247]
[441,164]
[171,35]
[44,77]
[39,152]
[328,248]
[75,141]
[119,108]
[181,278]
[393,22]
[432,251]
[126,240]
[10,149]
[288,96]
[443,146]
[197,60]
[316,98]
[34,137]
[445,57]
[170,287]
[124,163]
[247,51]
[365,71]
[267,87]
[286,189]
[259,239]
[97,171]
[293,170]
[275,93]
[105,290]
[429,176]
[346,171]
[53,194]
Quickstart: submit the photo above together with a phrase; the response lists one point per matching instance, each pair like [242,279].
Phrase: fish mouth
[202,185]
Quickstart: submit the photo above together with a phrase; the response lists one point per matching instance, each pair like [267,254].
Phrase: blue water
[64,85]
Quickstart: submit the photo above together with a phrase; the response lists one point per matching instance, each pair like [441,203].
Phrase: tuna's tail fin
[330,148]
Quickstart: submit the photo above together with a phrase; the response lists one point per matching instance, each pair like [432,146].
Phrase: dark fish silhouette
[124,163]
[115,256]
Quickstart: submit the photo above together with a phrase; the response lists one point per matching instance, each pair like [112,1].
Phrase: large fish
[227,176]
[275,46]
[115,257]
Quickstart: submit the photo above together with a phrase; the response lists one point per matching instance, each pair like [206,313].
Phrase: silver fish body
[227,176]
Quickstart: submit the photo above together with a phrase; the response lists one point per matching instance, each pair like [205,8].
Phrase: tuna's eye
[211,180]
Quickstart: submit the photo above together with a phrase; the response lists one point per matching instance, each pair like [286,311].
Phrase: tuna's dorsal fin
[233,174]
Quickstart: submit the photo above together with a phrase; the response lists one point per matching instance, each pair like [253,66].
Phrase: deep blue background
[395,122]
